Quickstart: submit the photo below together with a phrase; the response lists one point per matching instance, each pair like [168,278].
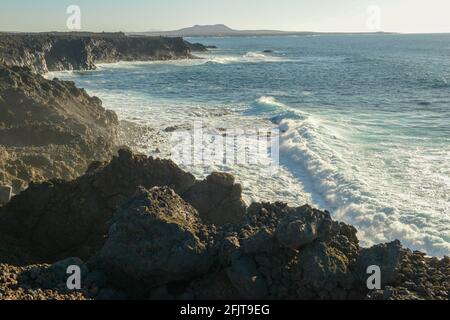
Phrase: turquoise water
[364,120]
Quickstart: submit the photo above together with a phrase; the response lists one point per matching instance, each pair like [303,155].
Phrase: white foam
[341,180]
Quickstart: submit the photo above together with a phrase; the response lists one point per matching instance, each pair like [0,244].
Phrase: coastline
[236,249]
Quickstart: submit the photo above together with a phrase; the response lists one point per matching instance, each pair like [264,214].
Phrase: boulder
[126,172]
[302,226]
[386,256]
[218,199]
[307,262]
[71,218]
[155,239]
[296,234]
[324,270]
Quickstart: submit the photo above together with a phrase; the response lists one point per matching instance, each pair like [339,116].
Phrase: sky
[407,16]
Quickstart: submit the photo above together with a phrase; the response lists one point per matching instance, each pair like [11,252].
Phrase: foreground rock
[70,218]
[132,222]
[419,278]
[155,239]
[38,282]
[49,129]
[5,194]
[81,51]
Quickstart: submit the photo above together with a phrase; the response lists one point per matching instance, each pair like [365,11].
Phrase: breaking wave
[314,150]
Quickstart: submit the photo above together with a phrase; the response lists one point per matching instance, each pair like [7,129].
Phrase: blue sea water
[364,120]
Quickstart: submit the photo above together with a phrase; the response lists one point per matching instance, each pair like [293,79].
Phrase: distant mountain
[217,30]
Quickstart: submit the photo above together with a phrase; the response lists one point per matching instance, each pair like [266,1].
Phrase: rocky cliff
[50,128]
[81,51]
[146,229]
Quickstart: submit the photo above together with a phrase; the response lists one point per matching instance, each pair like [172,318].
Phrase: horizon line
[249,30]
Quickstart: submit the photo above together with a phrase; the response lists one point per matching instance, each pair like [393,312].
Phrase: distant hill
[217,30]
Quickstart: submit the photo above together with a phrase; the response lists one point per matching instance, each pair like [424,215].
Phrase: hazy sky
[300,15]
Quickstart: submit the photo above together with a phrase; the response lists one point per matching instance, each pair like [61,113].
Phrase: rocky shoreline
[46,52]
[145,229]
[50,128]
[142,228]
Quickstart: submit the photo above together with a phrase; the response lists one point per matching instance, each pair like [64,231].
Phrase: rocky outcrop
[197,47]
[385,256]
[418,277]
[49,129]
[70,218]
[81,51]
[151,243]
[272,266]
[155,239]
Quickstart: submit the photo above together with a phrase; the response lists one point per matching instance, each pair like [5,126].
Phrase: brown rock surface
[49,129]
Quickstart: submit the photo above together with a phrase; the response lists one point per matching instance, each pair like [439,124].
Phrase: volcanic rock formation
[132,222]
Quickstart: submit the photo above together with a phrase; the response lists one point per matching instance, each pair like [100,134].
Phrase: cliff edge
[81,51]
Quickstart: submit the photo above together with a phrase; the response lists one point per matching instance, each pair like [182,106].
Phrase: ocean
[363,120]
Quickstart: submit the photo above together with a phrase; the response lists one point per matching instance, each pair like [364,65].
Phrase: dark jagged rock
[155,239]
[325,273]
[49,129]
[218,199]
[386,256]
[419,278]
[81,51]
[197,47]
[70,218]
[302,227]
[127,171]
[288,266]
